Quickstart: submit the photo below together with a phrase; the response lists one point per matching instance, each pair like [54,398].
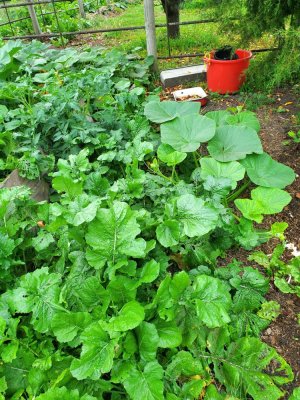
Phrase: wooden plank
[150,31]
[34,20]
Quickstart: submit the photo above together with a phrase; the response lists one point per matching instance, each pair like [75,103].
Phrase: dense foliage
[111,289]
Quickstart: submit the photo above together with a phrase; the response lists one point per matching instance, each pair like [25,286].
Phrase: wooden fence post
[150,31]
[81,8]
[34,20]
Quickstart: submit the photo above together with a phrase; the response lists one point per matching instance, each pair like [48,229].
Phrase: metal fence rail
[61,34]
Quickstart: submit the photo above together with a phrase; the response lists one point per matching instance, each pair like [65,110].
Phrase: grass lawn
[193,38]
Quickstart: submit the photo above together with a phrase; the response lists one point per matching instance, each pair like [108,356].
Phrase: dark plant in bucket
[225,53]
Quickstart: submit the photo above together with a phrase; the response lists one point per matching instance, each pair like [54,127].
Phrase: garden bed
[124,284]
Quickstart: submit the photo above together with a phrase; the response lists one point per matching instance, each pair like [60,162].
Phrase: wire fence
[36,17]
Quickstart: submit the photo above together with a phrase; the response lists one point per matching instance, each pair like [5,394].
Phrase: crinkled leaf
[185,134]
[251,286]
[145,384]
[130,316]
[183,363]
[168,233]
[38,293]
[212,300]
[113,234]
[264,171]
[66,326]
[252,367]
[232,143]
[197,218]
[169,334]
[96,355]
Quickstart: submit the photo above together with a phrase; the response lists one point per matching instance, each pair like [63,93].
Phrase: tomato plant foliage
[117,293]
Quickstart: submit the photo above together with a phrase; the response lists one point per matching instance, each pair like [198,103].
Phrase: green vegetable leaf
[130,316]
[147,340]
[164,111]
[149,272]
[168,155]
[232,143]
[264,171]
[197,218]
[232,170]
[246,368]
[97,354]
[65,184]
[146,383]
[185,134]
[220,117]
[168,233]
[169,334]
[113,234]
[264,201]
[38,293]
[245,118]
[212,300]
[66,326]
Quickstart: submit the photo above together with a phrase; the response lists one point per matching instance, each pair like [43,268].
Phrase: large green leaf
[232,143]
[220,117]
[184,364]
[164,111]
[147,341]
[196,217]
[65,184]
[185,134]
[245,118]
[38,293]
[169,334]
[250,287]
[168,233]
[251,367]
[264,201]
[66,326]
[96,355]
[264,171]
[145,384]
[113,234]
[232,170]
[213,301]
[168,155]
[130,316]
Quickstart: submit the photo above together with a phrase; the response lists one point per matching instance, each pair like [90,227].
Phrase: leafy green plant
[112,288]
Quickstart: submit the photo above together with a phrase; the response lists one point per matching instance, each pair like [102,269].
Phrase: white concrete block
[173,77]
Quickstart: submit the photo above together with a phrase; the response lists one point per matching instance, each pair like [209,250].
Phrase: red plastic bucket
[227,76]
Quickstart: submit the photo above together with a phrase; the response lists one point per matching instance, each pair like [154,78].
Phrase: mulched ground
[276,120]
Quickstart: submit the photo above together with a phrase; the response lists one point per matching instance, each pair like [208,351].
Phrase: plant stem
[195,159]
[240,190]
